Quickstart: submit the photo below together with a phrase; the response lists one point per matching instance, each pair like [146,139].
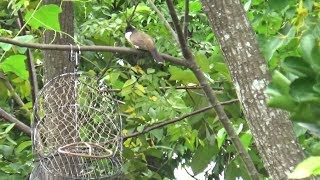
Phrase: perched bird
[141,40]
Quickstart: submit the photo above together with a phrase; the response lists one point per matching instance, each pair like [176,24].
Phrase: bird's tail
[156,56]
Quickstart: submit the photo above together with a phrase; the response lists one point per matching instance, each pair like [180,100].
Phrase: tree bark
[56,63]
[271,128]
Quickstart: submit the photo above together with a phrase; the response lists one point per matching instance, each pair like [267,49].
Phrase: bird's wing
[142,41]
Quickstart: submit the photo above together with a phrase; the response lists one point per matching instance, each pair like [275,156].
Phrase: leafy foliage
[295,87]
[149,90]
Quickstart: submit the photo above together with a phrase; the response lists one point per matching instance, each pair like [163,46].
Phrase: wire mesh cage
[77,128]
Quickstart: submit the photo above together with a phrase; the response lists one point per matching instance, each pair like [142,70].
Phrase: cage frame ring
[88,145]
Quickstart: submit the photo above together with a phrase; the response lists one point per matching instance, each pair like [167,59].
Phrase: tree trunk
[271,128]
[56,63]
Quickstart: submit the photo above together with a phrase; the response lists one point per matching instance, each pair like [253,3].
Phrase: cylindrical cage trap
[77,128]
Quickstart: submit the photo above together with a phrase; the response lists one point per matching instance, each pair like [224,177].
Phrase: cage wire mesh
[77,129]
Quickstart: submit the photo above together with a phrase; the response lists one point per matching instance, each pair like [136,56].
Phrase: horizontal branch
[18,124]
[164,123]
[177,87]
[112,49]
[15,96]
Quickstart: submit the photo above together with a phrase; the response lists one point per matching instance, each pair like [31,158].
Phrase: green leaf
[297,66]
[316,87]
[8,138]
[46,16]
[308,167]
[154,152]
[221,135]
[6,150]
[195,6]
[202,157]
[140,88]
[279,5]
[311,50]
[151,71]
[203,62]
[15,64]
[313,127]
[274,43]
[234,169]
[246,139]
[278,92]
[308,113]
[129,82]
[140,128]
[8,129]
[222,69]
[23,146]
[302,90]
[5,46]
[152,113]
[315,149]
[178,74]
[158,133]
[25,39]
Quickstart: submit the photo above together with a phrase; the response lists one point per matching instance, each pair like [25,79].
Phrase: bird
[143,41]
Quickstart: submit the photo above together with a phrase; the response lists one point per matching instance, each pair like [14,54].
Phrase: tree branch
[163,19]
[32,71]
[252,171]
[177,87]
[184,48]
[186,20]
[18,124]
[15,96]
[165,123]
[112,49]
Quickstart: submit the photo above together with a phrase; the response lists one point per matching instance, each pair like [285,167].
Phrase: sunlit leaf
[23,146]
[308,167]
[186,76]
[15,64]
[46,16]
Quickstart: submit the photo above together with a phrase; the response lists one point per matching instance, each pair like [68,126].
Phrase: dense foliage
[288,33]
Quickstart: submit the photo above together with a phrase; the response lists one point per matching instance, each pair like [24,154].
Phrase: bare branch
[164,123]
[163,19]
[184,48]
[191,175]
[169,87]
[18,124]
[15,96]
[186,20]
[32,71]
[112,49]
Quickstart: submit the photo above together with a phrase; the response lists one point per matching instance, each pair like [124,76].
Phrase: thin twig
[31,68]
[163,19]
[171,121]
[184,48]
[225,121]
[112,49]
[191,175]
[169,87]
[15,96]
[134,10]
[186,21]
[18,124]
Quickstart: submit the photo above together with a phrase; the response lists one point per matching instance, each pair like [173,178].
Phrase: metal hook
[71,56]
[79,50]
[78,55]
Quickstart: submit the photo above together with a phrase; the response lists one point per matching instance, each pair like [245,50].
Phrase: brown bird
[141,40]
